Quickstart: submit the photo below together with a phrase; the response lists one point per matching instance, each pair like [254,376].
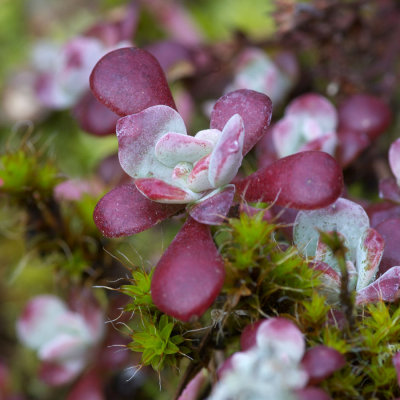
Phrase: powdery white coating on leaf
[159,191]
[213,208]
[198,179]
[35,327]
[285,336]
[212,135]
[173,148]
[385,288]
[330,280]
[343,216]
[137,137]
[227,155]
[262,372]
[394,159]
[369,255]
[317,107]
[256,71]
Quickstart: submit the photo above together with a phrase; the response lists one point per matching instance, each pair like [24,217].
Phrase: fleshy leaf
[320,362]
[212,209]
[175,147]
[130,80]
[248,336]
[194,387]
[394,158]
[389,190]
[54,374]
[305,180]
[137,138]
[385,288]
[285,335]
[198,178]
[189,275]
[350,145]
[380,212]
[344,216]
[369,255]
[212,135]
[161,192]
[331,281]
[255,109]
[364,114]
[89,387]
[312,393]
[125,211]
[390,231]
[36,325]
[94,117]
[317,107]
[227,156]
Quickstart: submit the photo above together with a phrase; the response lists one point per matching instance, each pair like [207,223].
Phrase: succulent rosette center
[170,166]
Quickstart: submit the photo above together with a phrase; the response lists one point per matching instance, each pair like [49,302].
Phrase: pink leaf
[94,117]
[227,156]
[394,158]
[189,275]
[363,113]
[306,180]
[225,367]
[213,209]
[320,362]
[55,374]
[130,80]
[369,255]
[125,211]
[285,334]
[194,387]
[137,138]
[175,147]
[159,191]
[331,281]
[385,288]
[380,212]
[255,109]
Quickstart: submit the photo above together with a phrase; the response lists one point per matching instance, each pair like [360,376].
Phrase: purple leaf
[125,211]
[137,138]
[159,191]
[350,145]
[255,109]
[249,334]
[390,231]
[380,212]
[213,209]
[285,334]
[396,363]
[312,393]
[227,155]
[385,288]
[389,190]
[369,255]
[94,117]
[189,275]
[89,387]
[305,180]
[54,374]
[363,113]
[394,158]
[226,366]
[320,362]
[130,80]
